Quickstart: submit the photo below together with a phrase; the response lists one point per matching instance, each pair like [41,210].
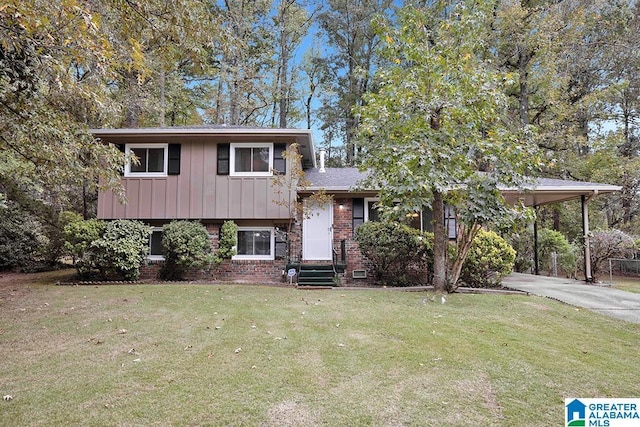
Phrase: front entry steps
[316,275]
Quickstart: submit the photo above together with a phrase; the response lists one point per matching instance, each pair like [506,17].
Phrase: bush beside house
[115,248]
[488,261]
[122,249]
[400,255]
[185,245]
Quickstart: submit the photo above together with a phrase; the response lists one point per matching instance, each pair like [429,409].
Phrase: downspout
[588,277]
[536,261]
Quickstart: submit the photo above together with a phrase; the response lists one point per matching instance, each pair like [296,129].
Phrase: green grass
[255,355]
[625,283]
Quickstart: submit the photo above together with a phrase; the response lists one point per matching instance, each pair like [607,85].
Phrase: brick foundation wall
[343,230]
[271,271]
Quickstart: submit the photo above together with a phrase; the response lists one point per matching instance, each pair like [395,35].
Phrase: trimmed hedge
[488,261]
[400,255]
[185,245]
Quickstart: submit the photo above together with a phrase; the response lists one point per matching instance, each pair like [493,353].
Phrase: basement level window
[155,245]
[255,243]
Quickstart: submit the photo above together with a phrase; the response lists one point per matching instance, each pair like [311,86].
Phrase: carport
[545,191]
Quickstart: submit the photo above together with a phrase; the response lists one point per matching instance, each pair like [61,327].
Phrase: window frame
[165,167]
[368,200]
[232,158]
[151,257]
[450,219]
[269,257]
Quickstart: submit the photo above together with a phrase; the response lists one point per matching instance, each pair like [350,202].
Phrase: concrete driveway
[602,299]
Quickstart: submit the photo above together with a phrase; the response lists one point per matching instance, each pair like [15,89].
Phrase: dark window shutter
[358,213]
[174,159]
[223,159]
[279,162]
[123,149]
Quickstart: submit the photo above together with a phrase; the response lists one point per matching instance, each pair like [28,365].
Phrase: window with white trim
[255,243]
[152,160]
[251,159]
[155,245]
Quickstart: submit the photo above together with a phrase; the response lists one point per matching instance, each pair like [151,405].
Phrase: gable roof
[303,137]
[539,192]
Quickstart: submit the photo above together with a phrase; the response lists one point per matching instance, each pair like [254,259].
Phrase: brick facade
[343,230]
[273,271]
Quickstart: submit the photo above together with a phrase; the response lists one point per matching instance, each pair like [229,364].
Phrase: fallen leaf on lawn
[137,360]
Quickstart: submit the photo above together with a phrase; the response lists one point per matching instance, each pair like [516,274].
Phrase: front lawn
[625,283]
[183,354]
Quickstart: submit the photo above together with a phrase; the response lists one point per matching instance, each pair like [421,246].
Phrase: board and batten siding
[196,193]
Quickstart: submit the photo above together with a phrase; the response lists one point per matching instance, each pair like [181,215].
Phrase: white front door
[317,234]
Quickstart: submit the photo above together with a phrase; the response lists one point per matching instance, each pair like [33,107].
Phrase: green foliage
[185,244]
[488,261]
[521,240]
[605,244]
[399,254]
[122,249]
[22,241]
[79,236]
[227,242]
[551,241]
[439,118]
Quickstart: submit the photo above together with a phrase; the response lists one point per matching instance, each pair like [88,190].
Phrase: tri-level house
[215,174]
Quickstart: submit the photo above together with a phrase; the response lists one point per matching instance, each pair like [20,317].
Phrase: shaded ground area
[601,299]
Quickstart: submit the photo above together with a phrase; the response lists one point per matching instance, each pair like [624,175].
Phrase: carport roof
[538,192]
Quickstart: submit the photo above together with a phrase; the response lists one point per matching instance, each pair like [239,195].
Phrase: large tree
[54,61]
[347,26]
[437,129]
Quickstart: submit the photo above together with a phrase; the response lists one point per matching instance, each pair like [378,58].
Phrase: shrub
[605,244]
[488,261]
[227,242]
[550,241]
[78,238]
[122,248]
[22,240]
[399,254]
[185,245]
[521,240]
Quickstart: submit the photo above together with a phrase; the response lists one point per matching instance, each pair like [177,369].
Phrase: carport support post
[585,230]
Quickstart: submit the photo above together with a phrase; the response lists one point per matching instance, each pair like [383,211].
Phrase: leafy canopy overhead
[438,119]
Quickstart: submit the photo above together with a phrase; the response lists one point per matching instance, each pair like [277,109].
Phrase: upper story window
[152,158]
[251,159]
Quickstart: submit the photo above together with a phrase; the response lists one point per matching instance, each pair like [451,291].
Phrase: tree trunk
[133,107]
[465,240]
[163,106]
[439,244]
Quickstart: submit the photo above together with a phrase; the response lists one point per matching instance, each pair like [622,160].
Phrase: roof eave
[308,153]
